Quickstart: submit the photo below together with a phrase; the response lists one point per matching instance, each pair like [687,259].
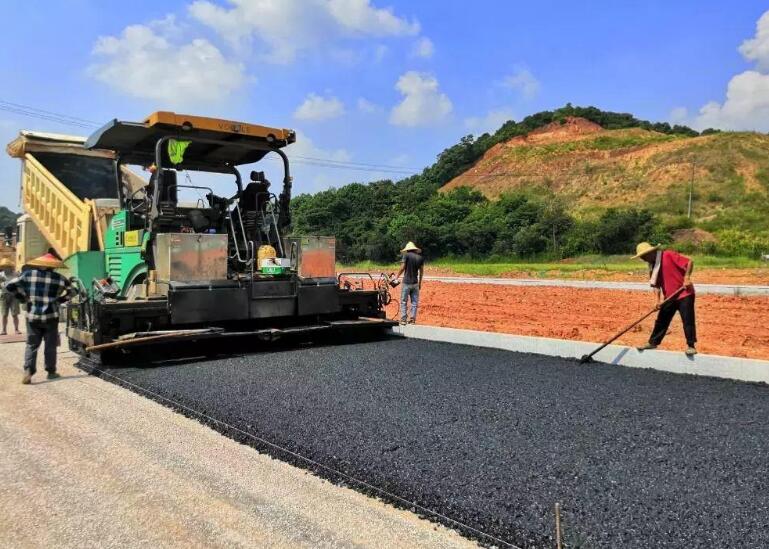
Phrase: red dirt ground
[732,326]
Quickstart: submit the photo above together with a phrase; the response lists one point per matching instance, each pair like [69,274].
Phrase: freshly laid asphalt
[637,458]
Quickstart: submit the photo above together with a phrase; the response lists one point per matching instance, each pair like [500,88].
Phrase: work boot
[402,322]
[647,347]
[412,321]
[54,375]
[691,351]
[27,379]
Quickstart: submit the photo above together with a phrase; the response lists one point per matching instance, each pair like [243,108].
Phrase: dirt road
[85,463]
[733,326]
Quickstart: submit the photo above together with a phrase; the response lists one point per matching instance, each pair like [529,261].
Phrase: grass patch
[541,269]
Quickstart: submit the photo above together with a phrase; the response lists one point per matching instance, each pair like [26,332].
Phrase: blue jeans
[409,291]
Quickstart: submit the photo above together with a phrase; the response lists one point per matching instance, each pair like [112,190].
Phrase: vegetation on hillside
[371,221]
[7,218]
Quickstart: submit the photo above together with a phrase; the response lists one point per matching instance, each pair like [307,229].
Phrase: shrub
[580,239]
[733,242]
[618,231]
[529,241]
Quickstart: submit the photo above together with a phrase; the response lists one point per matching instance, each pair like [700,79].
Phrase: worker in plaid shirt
[42,290]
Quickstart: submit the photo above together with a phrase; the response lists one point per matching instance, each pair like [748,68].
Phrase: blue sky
[388,83]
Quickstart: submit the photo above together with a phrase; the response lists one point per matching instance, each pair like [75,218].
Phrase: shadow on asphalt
[174,354]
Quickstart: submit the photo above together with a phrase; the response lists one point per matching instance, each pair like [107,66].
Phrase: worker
[413,268]
[9,305]
[669,272]
[42,290]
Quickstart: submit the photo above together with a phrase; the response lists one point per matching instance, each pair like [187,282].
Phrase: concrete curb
[718,289]
[725,367]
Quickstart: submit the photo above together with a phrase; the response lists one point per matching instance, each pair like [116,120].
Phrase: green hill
[557,184]
[7,218]
[592,169]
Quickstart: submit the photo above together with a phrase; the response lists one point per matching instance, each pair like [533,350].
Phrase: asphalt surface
[637,458]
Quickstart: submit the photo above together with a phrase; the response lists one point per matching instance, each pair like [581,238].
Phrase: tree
[7,218]
[618,231]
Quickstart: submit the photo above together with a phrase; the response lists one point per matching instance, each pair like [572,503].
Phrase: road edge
[723,367]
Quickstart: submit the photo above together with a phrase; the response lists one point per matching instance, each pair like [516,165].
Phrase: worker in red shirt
[669,272]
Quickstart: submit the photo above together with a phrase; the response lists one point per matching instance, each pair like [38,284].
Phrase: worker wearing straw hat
[9,305]
[412,269]
[669,272]
[42,290]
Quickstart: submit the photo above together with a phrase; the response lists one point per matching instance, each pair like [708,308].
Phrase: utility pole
[691,185]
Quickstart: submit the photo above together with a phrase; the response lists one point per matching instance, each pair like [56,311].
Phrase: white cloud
[423,104]
[423,48]
[523,81]
[746,106]
[144,63]
[678,115]
[361,17]
[290,27]
[366,106]
[318,108]
[757,48]
[491,122]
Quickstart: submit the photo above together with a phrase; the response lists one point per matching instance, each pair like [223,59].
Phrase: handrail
[249,252]
[272,201]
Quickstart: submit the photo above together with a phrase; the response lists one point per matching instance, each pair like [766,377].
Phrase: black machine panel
[318,300]
[190,306]
[272,298]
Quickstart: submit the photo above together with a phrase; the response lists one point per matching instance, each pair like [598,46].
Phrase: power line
[76,121]
[40,116]
[350,167]
[362,164]
[26,110]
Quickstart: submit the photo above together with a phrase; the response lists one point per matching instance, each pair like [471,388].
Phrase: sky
[376,88]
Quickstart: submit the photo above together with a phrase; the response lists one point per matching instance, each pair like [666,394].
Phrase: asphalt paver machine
[221,267]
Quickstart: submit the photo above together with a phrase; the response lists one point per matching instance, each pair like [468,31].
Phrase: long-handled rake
[589,358]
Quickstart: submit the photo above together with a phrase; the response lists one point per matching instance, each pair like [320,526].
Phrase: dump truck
[151,268]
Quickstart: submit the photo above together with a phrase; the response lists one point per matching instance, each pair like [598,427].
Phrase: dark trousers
[685,308]
[41,332]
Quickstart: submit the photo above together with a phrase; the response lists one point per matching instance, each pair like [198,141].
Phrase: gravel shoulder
[85,463]
[637,458]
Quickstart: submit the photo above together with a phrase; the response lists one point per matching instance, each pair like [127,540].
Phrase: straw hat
[6,263]
[47,261]
[411,247]
[644,248]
